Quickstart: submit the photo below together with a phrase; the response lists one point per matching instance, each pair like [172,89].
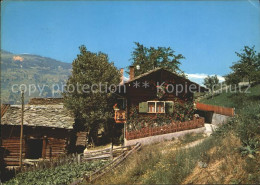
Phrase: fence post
[79,157]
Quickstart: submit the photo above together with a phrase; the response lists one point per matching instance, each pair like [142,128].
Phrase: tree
[247,67]
[150,58]
[232,79]
[86,91]
[210,82]
[256,75]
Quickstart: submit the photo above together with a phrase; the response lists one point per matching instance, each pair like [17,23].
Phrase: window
[156,107]
[160,107]
[151,106]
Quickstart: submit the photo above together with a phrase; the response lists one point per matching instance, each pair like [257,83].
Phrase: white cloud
[199,77]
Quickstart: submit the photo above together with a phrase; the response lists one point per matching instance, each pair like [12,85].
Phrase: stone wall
[213,118]
[160,138]
[219,119]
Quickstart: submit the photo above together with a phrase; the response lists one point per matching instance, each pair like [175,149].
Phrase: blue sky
[207,33]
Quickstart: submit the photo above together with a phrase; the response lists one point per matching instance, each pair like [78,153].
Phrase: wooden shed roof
[45,101]
[55,116]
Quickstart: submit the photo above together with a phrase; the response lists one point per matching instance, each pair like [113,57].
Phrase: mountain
[39,76]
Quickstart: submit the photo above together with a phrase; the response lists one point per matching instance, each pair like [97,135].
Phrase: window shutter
[169,107]
[143,107]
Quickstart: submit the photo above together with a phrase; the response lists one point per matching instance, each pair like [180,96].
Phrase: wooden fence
[103,154]
[126,151]
[174,127]
[34,165]
[217,109]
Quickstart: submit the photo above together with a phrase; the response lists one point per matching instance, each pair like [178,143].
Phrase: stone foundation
[163,137]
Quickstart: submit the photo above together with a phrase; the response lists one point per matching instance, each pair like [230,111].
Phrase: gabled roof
[145,74]
[55,116]
[163,69]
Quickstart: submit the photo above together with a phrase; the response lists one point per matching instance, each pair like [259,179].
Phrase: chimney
[122,76]
[132,72]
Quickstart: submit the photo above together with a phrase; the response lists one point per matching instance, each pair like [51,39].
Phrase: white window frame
[155,102]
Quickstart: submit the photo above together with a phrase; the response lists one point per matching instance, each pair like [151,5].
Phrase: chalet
[47,130]
[153,94]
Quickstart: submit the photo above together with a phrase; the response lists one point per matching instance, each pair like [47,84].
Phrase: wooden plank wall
[81,139]
[55,147]
[11,151]
[56,141]
[217,109]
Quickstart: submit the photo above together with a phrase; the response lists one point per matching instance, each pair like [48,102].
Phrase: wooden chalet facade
[47,129]
[153,93]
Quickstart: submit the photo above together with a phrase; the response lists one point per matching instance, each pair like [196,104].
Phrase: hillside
[40,72]
[229,156]
[231,99]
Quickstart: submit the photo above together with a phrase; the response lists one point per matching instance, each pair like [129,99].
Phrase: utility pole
[21,135]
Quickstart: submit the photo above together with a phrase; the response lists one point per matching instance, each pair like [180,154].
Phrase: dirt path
[209,129]
[192,144]
[189,145]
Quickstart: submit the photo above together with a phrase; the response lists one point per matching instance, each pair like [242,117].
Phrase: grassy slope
[220,100]
[152,166]
[156,164]
[220,153]
[229,99]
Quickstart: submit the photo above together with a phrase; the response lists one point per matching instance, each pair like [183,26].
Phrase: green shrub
[251,166]
[64,174]
[238,99]
[225,129]
[248,128]
[182,112]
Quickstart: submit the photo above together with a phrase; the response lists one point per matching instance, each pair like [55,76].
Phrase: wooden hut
[47,129]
